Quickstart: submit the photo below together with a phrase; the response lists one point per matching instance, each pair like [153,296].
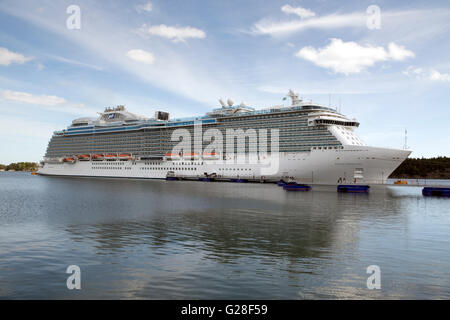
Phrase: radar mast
[294,98]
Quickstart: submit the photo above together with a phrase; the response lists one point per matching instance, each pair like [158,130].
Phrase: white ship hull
[352,164]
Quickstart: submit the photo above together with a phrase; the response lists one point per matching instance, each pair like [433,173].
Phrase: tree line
[432,168]
[20,166]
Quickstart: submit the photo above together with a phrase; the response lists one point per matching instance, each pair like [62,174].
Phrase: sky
[385,63]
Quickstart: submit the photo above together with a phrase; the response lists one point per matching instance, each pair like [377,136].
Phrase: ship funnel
[230,102]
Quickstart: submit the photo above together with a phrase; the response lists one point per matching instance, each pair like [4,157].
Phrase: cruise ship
[305,142]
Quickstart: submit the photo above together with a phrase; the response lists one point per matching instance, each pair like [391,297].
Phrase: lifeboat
[211,156]
[111,157]
[172,156]
[69,159]
[191,156]
[401,182]
[97,157]
[83,157]
[125,156]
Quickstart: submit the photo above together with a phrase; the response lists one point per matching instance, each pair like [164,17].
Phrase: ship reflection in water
[176,240]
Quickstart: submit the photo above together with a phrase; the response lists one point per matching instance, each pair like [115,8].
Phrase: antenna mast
[406,140]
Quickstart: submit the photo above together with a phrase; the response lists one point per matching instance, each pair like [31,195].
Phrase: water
[200,240]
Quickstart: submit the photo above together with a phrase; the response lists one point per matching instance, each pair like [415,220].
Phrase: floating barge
[238,180]
[296,187]
[353,188]
[436,192]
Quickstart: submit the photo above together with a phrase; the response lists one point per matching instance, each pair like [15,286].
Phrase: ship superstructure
[315,144]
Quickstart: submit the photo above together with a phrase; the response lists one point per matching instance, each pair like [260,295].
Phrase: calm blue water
[177,240]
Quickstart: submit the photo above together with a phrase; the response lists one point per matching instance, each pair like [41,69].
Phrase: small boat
[69,159]
[282,183]
[210,156]
[34,173]
[170,176]
[296,187]
[97,157]
[353,188]
[111,157]
[401,182]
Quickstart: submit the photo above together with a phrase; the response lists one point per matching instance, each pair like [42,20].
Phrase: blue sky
[181,56]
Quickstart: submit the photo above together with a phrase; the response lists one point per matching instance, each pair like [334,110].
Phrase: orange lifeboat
[210,155]
[125,156]
[97,157]
[172,156]
[190,156]
[111,157]
[83,157]
[69,159]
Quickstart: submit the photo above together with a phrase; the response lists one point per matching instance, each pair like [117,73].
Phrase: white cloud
[437,76]
[141,56]
[299,11]
[394,24]
[75,62]
[398,53]
[145,7]
[31,98]
[429,74]
[176,34]
[332,21]
[44,101]
[7,57]
[350,57]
